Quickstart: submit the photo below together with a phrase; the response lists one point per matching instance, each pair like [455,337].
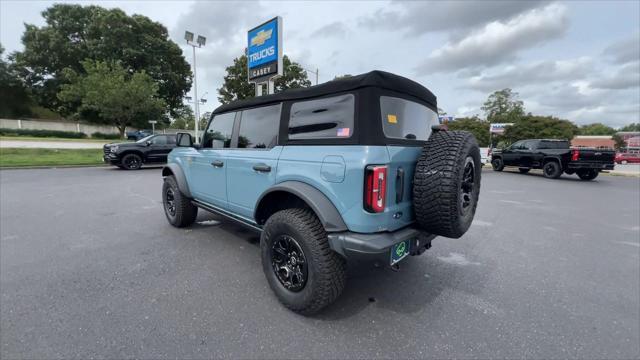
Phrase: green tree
[183,119]
[596,129]
[237,87]
[478,127]
[619,142]
[73,33]
[631,127]
[119,97]
[14,97]
[541,127]
[503,106]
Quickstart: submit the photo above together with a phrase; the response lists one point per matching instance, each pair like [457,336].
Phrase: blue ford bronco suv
[355,168]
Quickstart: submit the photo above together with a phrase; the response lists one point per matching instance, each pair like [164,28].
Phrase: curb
[50,167]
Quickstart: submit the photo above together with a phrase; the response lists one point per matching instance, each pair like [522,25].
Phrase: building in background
[593,141]
[631,139]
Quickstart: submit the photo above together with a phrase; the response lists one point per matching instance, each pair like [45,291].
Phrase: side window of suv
[159,140]
[218,134]
[259,127]
[330,117]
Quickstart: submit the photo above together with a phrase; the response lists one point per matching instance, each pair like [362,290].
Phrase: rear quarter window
[405,119]
[324,118]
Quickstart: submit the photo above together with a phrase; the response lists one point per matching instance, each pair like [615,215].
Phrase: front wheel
[131,162]
[552,170]
[178,208]
[302,270]
[587,175]
[497,164]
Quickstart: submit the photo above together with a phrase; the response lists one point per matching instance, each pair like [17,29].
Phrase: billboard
[498,128]
[264,51]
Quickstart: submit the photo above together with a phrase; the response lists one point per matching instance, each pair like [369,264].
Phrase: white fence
[60,125]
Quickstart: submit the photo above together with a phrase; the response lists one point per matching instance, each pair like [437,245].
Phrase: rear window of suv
[330,117]
[405,119]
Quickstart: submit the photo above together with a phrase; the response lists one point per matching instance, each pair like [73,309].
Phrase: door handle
[262,168]
[399,185]
[217,163]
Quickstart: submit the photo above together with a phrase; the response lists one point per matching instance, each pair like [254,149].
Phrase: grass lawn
[32,138]
[10,157]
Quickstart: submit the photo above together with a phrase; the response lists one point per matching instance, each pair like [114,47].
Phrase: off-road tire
[523,170]
[588,174]
[326,269]
[127,165]
[185,211]
[552,170]
[438,183]
[497,164]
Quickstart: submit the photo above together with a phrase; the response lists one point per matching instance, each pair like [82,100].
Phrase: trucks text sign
[498,128]
[264,50]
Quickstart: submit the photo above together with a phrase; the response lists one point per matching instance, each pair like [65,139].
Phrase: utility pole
[313,72]
[199,43]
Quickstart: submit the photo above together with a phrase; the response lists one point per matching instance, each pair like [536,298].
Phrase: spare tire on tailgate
[446,183]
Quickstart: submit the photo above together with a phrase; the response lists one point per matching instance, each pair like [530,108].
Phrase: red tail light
[575,155]
[375,185]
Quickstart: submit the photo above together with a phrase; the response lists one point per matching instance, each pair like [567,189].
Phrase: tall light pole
[313,72]
[200,41]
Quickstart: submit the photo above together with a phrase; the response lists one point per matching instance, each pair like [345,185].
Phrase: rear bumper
[587,165]
[377,247]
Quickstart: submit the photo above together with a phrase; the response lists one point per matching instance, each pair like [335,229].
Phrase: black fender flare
[176,171]
[553,158]
[327,213]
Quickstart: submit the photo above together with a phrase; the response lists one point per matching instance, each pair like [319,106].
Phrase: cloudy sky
[577,60]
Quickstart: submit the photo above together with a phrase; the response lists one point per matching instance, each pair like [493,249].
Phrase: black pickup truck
[554,157]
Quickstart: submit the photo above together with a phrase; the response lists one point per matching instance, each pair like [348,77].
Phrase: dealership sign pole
[496,128]
[264,54]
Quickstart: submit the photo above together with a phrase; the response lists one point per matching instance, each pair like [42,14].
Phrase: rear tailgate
[592,158]
[596,155]
[399,185]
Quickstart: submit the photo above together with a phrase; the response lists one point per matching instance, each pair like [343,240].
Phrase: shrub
[99,135]
[43,133]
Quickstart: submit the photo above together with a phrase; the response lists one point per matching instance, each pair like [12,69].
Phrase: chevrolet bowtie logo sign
[261,37]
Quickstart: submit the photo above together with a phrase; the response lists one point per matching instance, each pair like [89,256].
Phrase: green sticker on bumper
[399,251]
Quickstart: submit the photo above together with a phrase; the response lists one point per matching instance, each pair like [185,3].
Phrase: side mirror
[184,140]
[148,142]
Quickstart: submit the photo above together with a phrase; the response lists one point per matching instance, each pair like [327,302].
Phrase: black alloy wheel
[132,161]
[170,202]
[466,187]
[289,263]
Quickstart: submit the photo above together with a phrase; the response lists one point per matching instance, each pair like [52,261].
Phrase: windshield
[404,119]
[144,139]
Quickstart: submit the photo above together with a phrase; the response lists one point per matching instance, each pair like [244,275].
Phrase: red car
[627,158]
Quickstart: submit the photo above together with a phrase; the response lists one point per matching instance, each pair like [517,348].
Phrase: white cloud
[522,75]
[627,76]
[499,41]
[627,50]
[418,17]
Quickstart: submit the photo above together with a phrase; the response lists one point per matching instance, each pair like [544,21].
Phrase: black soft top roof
[376,78]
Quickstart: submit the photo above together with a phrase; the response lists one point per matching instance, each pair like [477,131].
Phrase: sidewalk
[51,144]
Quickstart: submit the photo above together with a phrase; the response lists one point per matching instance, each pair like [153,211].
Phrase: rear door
[207,169]
[251,165]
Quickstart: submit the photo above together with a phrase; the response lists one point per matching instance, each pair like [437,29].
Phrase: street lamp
[313,72]
[200,41]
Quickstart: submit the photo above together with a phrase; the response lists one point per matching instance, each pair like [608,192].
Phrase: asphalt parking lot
[89,267]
